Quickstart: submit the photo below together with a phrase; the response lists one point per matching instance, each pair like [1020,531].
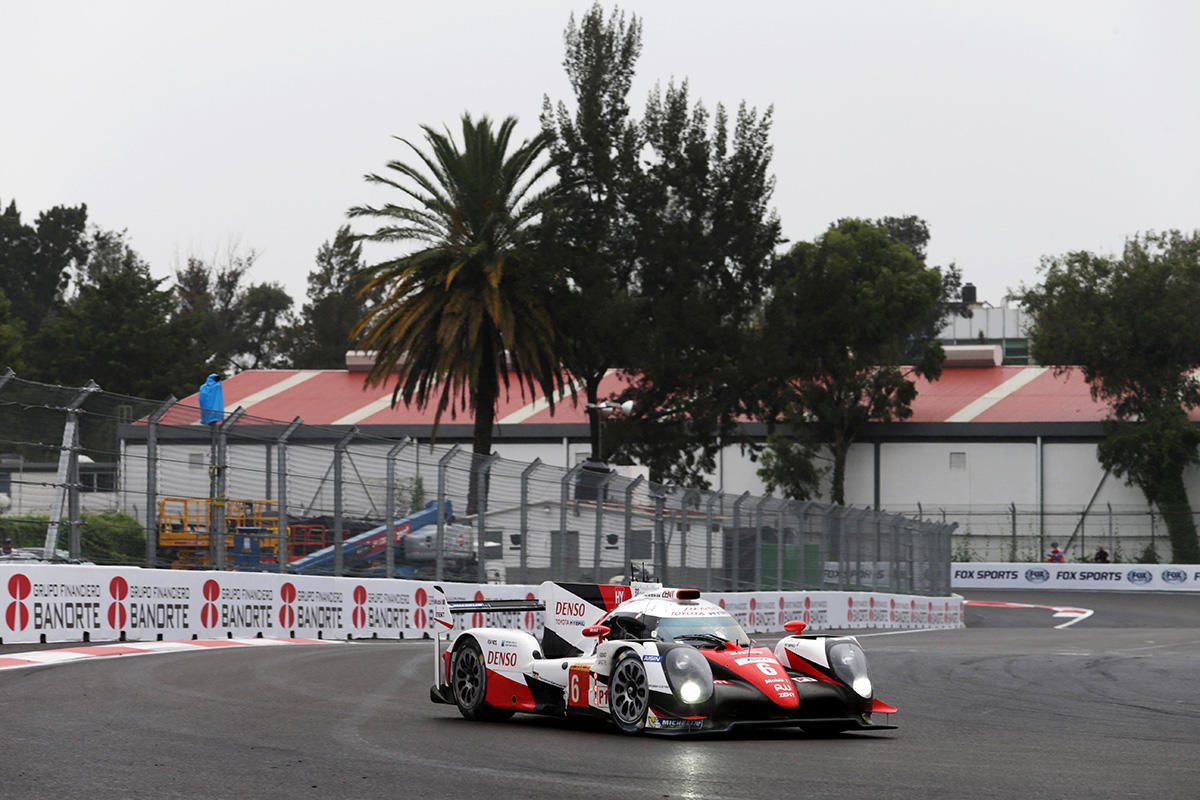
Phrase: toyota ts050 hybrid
[649,658]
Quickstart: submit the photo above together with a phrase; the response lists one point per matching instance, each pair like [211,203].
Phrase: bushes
[104,538]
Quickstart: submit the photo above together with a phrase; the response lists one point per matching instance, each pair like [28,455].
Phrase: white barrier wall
[73,603]
[1124,577]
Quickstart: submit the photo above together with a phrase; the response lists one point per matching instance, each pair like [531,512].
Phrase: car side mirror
[795,626]
[598,632]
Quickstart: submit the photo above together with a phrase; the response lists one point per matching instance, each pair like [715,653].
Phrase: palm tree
[466,311]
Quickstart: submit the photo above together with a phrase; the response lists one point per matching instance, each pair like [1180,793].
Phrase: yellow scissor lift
[183,533]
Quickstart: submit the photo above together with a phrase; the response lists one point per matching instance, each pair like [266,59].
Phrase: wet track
[1009,708]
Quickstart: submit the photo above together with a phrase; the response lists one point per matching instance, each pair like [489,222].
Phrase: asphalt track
[1009,708]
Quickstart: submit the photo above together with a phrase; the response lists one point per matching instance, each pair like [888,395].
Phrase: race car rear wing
[443,609]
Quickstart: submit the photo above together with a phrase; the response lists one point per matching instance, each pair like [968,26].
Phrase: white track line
[72,653]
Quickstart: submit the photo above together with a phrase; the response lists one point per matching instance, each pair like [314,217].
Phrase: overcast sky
[1016,129]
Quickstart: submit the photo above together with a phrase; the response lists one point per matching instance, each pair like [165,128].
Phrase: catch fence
[283,495]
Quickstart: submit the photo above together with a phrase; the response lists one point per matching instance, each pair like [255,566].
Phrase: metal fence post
[339,532]
[737,541]
[219,516]
[564,499]
[708,540]
[525,473]
[629,490]
[281,523]
[389,569]
[779,546]
[660,542]
[483,469]
[66,482]
[685,527]
[601,494]
[758,537]
[443,465]
[152,481]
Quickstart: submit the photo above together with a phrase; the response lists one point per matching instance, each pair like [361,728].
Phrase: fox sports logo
[1139,576]
[1173,576]
[1037,575]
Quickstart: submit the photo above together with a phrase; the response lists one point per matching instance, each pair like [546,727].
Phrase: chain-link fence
[1017,532]
[342,500]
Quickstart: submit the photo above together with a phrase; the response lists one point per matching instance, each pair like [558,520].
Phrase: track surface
[1009,708]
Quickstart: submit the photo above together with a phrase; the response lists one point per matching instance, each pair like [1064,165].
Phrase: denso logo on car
[569,609]
[498,659]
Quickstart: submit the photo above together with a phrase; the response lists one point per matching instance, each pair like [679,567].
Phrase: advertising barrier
[57,603]
[1124,577]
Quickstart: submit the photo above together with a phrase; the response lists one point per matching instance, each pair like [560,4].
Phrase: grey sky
[1016,129]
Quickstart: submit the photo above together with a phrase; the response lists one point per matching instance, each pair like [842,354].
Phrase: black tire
[468,683]
[628,693]
[468,680]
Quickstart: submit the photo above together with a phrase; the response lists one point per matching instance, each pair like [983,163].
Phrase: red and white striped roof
[339,397]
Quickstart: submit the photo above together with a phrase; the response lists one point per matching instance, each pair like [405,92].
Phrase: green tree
[12,335]
[37,261]
[236,325]
[322,333]
[1130,324]
[465,313]
[589,231]
[662,227]
[847,313]
[117,329]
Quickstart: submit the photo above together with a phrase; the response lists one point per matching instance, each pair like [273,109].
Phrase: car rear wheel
[628,693]
[468,681]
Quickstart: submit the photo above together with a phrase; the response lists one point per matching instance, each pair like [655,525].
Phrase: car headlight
[688,673]
[849,664]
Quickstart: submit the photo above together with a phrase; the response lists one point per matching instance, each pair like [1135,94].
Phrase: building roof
[1003,394]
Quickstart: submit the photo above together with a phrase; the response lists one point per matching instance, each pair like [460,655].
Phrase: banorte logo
[420,597]
[17,613]
[807,609]
[118,590]
[477,617]
[871,612]
[753,606]
[849,609]
[892,613]
[208,612]
[530,619]
[287,614]
[358,617]
[782,616]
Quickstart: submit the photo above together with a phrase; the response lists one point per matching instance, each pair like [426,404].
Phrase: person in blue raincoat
[212,400]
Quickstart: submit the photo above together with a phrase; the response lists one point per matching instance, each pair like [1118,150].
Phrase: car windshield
[717,629]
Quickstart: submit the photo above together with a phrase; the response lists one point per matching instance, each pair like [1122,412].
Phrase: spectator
[1055,554]
[1101,556]
[7,549]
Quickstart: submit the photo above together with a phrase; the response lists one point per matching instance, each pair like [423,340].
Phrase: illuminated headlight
[849,664]
[688,673]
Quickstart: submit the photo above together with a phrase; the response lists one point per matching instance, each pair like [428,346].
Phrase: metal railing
[412,509]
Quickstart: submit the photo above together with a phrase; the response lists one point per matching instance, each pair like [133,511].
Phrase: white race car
[649,658]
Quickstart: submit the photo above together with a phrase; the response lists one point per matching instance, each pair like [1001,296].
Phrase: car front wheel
[628,693]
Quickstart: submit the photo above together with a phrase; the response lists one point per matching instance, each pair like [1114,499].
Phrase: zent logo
[1037,575]
[208,612]
[1139,576]
[118,590]
[17,613]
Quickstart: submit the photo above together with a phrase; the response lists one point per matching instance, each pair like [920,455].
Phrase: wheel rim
[468,677]
[629,693]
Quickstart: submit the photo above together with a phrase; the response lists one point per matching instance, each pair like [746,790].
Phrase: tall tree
[705,238]
[12,334]
[237,325]
[662,228]
[466,312]
[322,333]
[37,261]
[1130,324]
[848,312]
[117,329]
[589,230]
